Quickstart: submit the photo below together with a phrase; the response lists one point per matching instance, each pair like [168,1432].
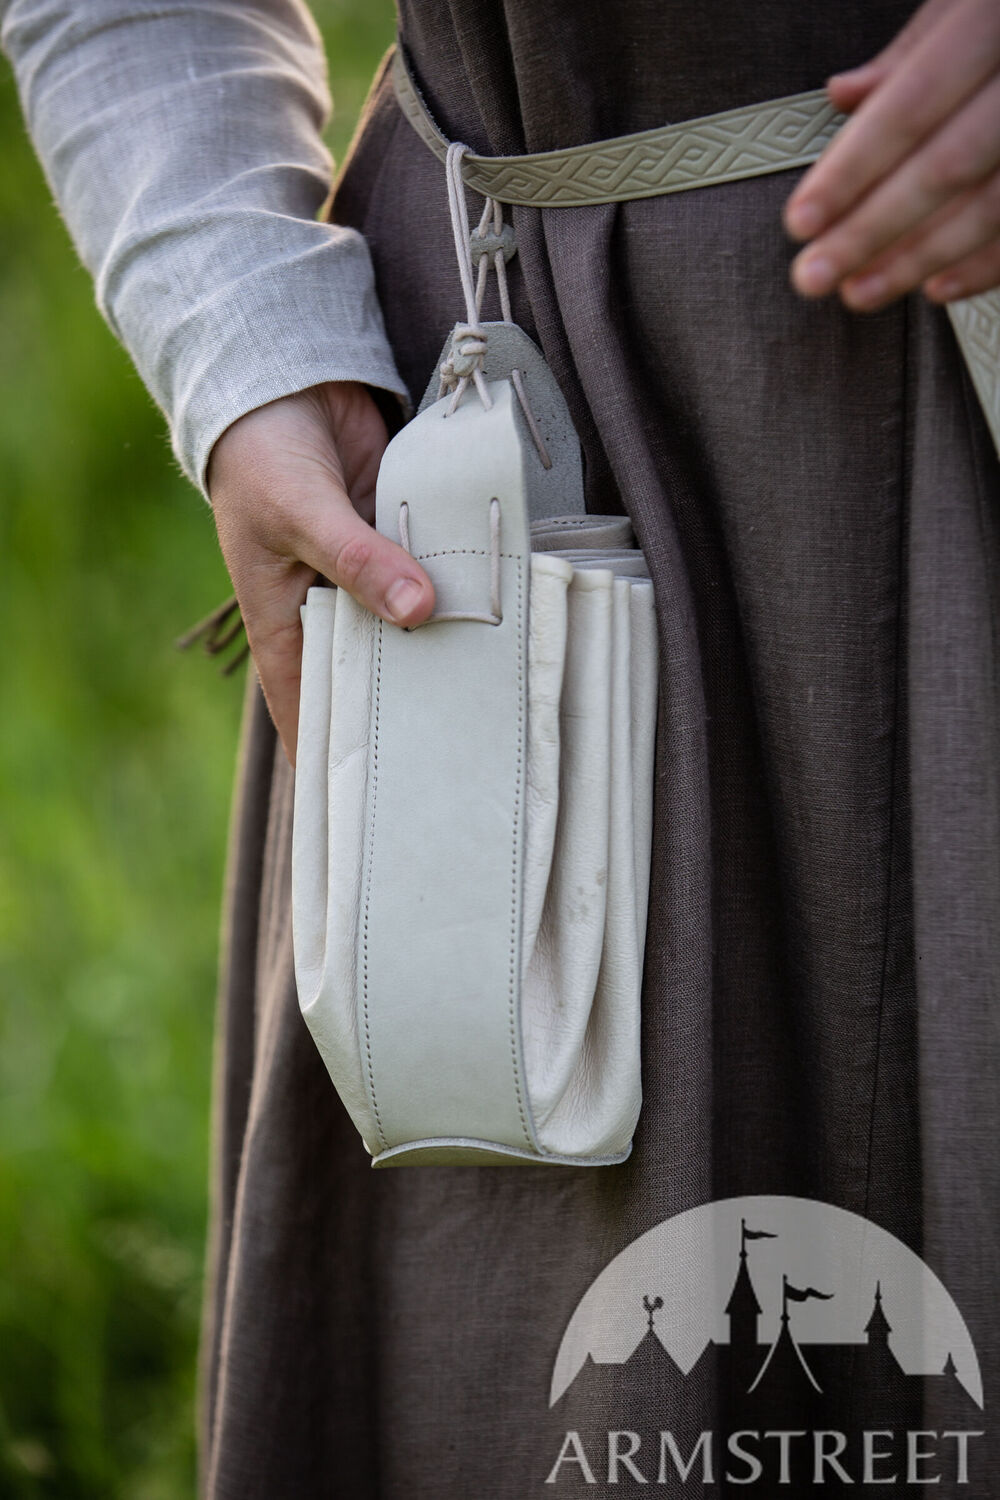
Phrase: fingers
[957,51]
[350,554]
[975,273]
[849,88]
[967,225]
[280,497]
[906,194]
[274,631]
[283,481]
[961,156]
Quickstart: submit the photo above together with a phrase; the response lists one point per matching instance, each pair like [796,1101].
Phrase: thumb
[381,575]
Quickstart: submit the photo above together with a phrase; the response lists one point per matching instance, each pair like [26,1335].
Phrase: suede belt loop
[750,141]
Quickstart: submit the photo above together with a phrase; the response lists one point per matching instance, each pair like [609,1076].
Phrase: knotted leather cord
[468,348]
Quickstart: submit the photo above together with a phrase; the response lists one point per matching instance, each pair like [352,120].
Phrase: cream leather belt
[775,136]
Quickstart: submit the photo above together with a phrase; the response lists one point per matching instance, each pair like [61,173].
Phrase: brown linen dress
[818,501]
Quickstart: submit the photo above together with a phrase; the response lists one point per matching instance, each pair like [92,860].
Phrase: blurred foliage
[116,762]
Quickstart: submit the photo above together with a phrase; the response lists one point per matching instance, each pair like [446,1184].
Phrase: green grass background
[116,763]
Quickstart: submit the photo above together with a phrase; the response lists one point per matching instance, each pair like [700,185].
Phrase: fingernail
[804,219]
[400,598]
[851,73]
[866,289]
[814,275]
[943,288]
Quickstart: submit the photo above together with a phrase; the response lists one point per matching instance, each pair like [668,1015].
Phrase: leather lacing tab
[216,633]
[495,616]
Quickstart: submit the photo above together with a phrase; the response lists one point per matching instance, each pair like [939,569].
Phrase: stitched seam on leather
[480,1143]
[461,552]
[512,989]
[368,891]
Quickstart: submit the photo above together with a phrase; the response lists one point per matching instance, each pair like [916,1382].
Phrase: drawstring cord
[468,345]
[469,341]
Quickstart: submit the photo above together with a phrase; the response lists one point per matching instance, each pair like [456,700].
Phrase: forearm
[182,143]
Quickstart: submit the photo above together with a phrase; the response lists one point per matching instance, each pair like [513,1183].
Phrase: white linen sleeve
[181,139]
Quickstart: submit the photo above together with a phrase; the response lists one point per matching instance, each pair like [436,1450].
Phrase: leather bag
[473,796]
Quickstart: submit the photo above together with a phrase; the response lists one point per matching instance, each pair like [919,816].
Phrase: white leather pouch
[473,802]
[473,797]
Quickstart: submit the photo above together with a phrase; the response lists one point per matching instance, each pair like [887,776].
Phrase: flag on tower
[796,1294]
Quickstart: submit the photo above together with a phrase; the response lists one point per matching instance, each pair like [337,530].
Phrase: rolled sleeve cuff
[299,315]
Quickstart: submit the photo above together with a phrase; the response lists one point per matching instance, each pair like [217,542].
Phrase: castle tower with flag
[785,1363]
[743,1310]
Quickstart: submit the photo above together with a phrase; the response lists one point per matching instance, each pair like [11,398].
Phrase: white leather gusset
[625,562]
[309,868]
[645,700]
[581,530]
[550,580]
[331,790]
[582,1054]
[565,962]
